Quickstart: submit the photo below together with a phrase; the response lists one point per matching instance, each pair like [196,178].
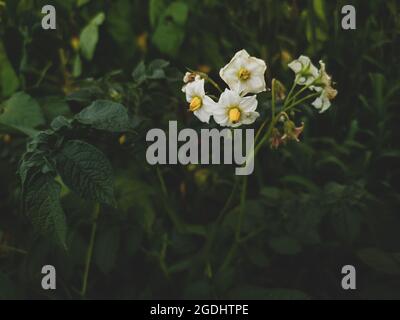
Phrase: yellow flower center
[234,114]
[195,104]
[243,74]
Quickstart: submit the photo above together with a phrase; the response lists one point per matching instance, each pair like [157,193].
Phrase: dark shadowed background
[311,207]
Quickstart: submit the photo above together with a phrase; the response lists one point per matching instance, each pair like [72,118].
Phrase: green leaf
[90,36]
[156,8]
[42,206]
[60,122]
[178,11]
[77,66]
[21,113]
[9,82]
[120,27]
[319,8]
[105,115]
[81,3]
[53,107]
[170,31]
[285,245]
[156,69]
[86,171]
[139,73]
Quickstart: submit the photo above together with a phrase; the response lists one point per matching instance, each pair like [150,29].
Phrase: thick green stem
[89,252]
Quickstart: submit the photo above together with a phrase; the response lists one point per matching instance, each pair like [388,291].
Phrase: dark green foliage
[86,170]
[76,104]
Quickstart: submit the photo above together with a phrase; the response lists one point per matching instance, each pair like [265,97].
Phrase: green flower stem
[310,96]
[275,120]
[291,91]
[89,252]
[273,98]
[215,85]
[289,99]
[206,77]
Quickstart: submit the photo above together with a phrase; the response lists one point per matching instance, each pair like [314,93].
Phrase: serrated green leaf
[105,115]
[42,206]
[86,171]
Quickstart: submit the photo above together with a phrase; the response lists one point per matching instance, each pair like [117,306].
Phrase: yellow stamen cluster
[195,104]
[234,114]
[244,74]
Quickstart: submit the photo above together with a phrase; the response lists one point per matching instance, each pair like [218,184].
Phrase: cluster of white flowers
[244,75]
[316,80]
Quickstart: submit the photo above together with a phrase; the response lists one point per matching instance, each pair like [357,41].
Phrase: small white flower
[324,85]
[306,72]
[322,103]
[201,105]
[232,110]
[188,78]
[245,74]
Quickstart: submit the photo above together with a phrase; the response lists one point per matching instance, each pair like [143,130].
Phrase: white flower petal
[203,115]
[250,117]
[229,98]
[296,66]
[256,68]
[208,104]
[249,104]
[194,89]
[257,84]
[221,119]
[318,103]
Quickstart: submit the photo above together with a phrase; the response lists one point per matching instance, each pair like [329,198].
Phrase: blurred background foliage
[312,207]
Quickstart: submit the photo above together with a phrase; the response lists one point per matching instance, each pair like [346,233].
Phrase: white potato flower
[306,73]
[245,74]
[324,85]
[199,103]
[188,78]
[233,110]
